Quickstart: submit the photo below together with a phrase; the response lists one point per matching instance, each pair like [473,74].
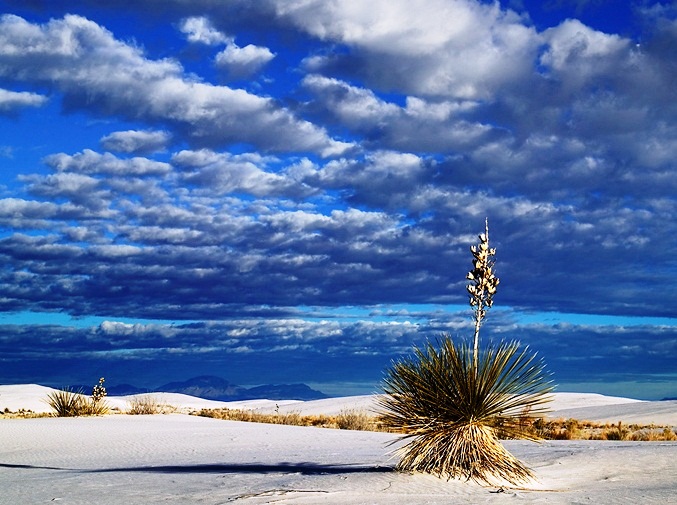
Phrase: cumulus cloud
[116,77]
[579,55]
[240,62]
[457,49]
[12,100]
[420,125]
[200,29]
[137,142]
[91,162]
[225,173]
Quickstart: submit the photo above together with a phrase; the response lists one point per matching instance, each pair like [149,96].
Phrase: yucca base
[454,413]
[468,451]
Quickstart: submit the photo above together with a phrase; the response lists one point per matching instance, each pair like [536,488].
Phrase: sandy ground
[176,458]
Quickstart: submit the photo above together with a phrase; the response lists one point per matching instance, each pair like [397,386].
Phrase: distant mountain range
[217,388]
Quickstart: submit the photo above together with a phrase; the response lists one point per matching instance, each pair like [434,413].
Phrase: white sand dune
[122,459]
[583,406]
[658,413]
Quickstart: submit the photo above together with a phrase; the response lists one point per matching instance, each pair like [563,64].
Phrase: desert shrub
[354,420]
[67,403]
[619,432]
[290,418]
[569,429]
[669,435]
[454,403]
[147,405]
[227,414]
[650,434]
[556,429]
[347,420]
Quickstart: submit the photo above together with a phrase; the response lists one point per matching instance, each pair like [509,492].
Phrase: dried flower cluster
[98,391]
[484,285]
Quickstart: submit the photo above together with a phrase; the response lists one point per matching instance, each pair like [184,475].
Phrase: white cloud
[573,42]
[26,208]
[576,54]
[200,30]
[413,27]
[135,141]
[451,48]
[420,125]
[227,173]
[91,162]
[97,71]
[243,61]
[10,100]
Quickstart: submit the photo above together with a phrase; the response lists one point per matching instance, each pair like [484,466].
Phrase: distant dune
[583,406]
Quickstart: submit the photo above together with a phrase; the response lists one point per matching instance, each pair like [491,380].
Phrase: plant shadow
[304,468]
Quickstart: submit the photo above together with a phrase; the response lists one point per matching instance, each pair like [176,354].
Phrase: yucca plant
[66,402]
[454,402]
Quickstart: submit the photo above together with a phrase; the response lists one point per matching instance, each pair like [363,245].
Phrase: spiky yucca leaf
[66,402]
[455,414]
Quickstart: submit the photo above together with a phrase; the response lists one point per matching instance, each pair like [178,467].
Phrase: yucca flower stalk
[98,406]
[99,391]
[484,285]
[454,403]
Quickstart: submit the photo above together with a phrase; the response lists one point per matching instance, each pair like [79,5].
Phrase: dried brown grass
[148,405]
[574,429]
[345,420]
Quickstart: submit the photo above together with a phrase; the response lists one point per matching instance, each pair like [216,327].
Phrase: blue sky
[285,191]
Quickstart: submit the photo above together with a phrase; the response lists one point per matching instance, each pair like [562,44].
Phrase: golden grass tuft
[357,420]
[148,405]
[345,420]
[575,429]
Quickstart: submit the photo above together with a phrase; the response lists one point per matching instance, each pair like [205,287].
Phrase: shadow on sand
[301,468]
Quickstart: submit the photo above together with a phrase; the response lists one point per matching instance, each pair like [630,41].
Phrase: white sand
[121,459]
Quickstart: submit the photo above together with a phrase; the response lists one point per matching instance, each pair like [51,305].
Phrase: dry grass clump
[535,428]
[22,414]
[148,405]
[357,420]
[574,429]
[345,420]
[292,418]
[654,434]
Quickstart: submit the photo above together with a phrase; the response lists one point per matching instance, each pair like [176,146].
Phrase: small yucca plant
[66,402]
[453,403]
